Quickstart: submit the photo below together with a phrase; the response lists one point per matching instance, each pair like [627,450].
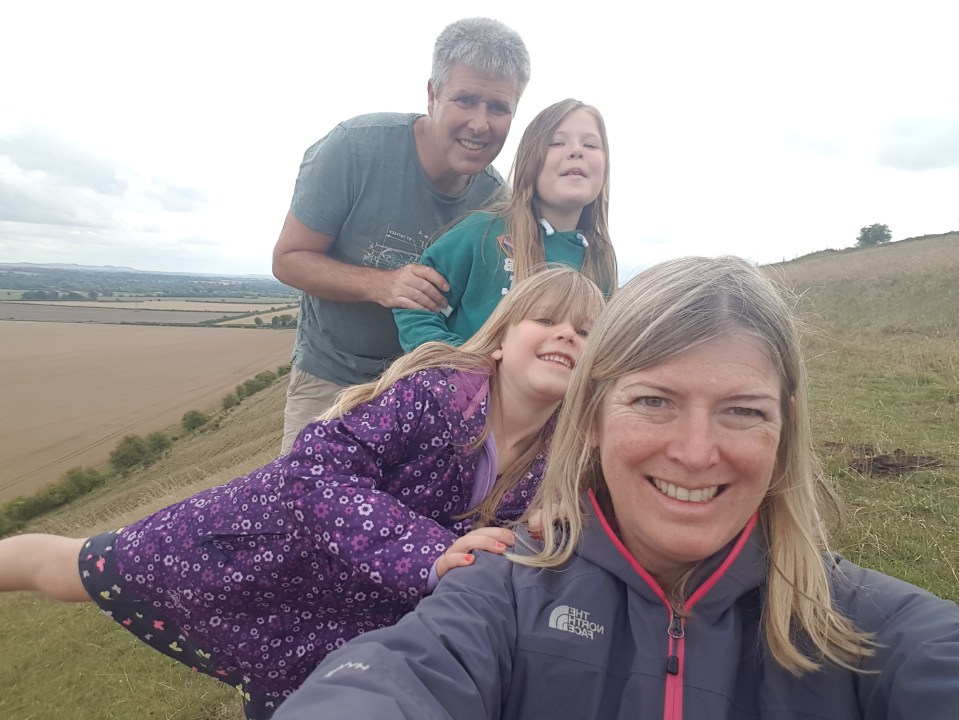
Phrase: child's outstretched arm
[44,563]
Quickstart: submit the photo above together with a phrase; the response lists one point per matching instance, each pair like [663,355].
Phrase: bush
[80,481]
[230,401]
[193,419]
[158,443]
[7,526]
[129,452]
[27,508]
[283,370]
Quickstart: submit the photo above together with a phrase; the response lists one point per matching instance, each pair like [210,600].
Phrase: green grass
[884,372]
[67,661]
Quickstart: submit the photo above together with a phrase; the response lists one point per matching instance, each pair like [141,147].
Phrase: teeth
[699,495]
[472,145]
[562,359]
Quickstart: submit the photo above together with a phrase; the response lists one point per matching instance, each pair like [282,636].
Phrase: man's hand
[414,287]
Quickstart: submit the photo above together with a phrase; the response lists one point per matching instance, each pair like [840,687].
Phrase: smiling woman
[684,569]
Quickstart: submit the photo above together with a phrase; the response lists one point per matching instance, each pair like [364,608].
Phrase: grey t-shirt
[364,185]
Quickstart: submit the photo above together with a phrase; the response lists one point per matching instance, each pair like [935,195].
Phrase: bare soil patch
[868,461]
[71,391]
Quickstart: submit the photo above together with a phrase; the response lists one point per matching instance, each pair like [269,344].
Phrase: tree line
[131,453]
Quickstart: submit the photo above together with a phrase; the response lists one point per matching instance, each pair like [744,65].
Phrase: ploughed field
[69,391]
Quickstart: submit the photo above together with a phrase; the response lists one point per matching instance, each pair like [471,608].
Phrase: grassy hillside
[884,370]
[884,349]
[69,662]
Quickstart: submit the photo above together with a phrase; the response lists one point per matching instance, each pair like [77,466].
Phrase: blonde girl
[255,581]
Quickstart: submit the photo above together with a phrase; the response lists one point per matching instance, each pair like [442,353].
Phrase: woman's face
[688,449]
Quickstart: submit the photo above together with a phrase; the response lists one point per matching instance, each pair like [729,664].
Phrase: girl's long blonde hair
[660,313]
[522,215]
[559,290]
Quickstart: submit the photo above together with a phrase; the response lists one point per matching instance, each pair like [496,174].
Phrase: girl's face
[537,356]
[688,448]
[573,172]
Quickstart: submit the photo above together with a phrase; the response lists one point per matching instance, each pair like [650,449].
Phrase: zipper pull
[677,632]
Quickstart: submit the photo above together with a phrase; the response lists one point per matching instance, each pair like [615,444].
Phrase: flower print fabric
[268,573]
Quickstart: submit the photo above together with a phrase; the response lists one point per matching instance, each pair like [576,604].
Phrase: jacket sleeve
[452,256]
[346,466]
[450,658]
[915,669]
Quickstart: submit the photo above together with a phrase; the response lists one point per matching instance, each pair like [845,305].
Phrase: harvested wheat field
[70,391]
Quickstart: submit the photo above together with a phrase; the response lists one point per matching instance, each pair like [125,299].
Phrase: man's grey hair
[483,44]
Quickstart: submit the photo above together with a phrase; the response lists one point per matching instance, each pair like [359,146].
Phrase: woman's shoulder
[872,599]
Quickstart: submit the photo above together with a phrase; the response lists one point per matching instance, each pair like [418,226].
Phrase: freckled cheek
[624,450]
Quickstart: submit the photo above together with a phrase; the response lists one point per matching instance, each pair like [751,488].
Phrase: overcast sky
[167,136]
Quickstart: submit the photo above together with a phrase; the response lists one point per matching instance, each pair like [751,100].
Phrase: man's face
[471,114]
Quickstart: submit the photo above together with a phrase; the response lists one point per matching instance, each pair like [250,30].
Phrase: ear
[594,436]
[431,98]
[497,354]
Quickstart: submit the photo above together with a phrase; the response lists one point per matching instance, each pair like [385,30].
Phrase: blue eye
[650,401]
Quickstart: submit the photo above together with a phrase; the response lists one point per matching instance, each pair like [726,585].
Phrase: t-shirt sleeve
[323,196]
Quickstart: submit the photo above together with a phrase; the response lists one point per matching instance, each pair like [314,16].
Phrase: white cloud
[172,134]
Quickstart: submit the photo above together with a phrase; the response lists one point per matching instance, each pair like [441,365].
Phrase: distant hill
[106,281]
[909,286]
[123,269]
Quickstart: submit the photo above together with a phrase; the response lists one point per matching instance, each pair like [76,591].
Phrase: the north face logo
[569,619]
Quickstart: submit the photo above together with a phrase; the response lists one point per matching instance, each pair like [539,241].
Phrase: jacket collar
[720,580]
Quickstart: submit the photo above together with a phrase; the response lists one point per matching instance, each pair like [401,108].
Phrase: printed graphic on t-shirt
[396,249]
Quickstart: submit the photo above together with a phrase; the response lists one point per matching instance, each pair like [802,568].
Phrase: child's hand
[459,554]
[534,523]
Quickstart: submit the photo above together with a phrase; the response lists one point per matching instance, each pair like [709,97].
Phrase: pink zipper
[676,631]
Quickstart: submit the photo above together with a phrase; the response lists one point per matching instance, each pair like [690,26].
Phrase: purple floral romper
[255,581]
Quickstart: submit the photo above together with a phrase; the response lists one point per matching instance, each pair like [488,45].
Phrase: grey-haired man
[368,198]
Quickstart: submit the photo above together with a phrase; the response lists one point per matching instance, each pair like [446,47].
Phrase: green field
[884,361]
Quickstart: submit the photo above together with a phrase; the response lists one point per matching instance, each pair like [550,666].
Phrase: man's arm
[300,260]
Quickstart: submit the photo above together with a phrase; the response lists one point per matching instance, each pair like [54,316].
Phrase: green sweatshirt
[474,257]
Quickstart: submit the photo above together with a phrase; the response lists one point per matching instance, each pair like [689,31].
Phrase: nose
[566,331]
[694,445]
[575,151]
[479,119]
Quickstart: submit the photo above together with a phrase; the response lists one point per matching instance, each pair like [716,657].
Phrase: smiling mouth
[576,172]
[558,358]
[471,144]
[699,495]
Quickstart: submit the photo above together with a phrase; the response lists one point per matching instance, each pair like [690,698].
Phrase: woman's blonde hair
[660,313]
[522,215]
[553,291]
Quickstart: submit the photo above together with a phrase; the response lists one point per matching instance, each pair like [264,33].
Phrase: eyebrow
[667,390]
